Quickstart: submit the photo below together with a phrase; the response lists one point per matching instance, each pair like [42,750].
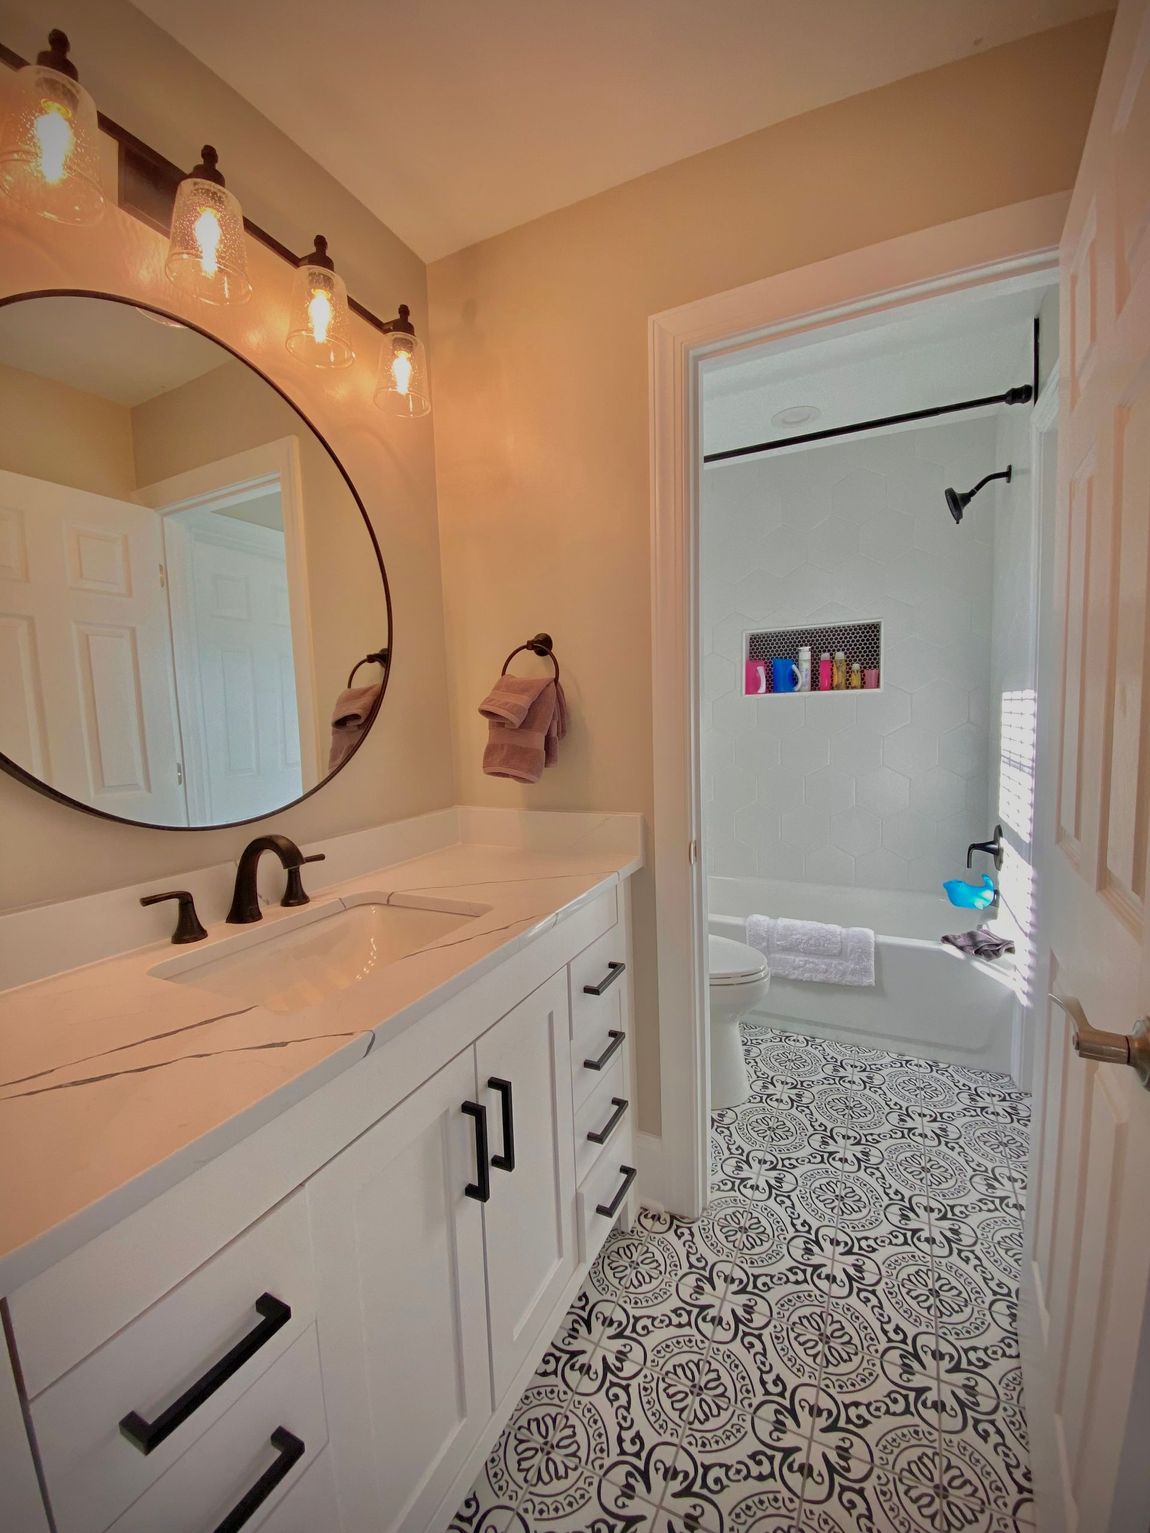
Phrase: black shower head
[957,502]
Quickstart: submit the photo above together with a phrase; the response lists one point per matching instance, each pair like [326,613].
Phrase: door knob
[1131,1049]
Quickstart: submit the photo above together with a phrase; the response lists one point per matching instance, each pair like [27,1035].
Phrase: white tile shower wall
[882,790]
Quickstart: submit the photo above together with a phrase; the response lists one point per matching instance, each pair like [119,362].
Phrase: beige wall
[540,380]
[90,447]
[143,79]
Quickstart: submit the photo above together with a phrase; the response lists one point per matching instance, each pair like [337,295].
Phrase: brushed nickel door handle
[1131,1048]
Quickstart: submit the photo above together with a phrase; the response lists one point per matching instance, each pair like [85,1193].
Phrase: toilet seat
[734,963]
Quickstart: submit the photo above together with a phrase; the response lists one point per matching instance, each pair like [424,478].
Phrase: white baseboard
[651,1183]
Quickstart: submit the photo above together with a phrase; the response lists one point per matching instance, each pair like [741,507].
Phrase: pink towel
[353,708]
[521,752]
[511,697]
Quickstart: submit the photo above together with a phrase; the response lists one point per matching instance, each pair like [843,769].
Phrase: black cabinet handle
[147,1435]
[602,1135]
[480,1189]
[613,972]
[506,1161]
[289,1450]
[612,1048]
[609,1210]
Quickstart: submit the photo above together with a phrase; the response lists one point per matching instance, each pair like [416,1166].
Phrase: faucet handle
[293,888]
[188,925]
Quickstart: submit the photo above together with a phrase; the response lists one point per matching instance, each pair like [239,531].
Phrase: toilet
[739,980]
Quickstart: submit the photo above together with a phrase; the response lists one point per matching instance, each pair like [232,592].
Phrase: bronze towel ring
[540,645]
[380,657]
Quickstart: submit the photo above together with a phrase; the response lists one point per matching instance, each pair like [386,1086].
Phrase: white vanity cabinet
[424,1219]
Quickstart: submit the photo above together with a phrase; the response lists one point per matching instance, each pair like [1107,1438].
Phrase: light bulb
[318,330]
[55,139]
[207,232]
[207,254]
[49,150]
[402,388]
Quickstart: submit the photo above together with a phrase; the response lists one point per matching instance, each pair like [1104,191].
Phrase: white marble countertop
[108,1070]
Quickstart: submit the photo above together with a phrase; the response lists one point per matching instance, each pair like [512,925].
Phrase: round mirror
[189,583]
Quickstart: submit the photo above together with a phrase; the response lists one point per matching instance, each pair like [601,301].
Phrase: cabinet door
[529,1221]
[401,1313]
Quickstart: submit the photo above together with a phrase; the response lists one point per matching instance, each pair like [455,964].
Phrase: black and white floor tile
[832,1347]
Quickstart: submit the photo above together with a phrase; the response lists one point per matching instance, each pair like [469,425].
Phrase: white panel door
[87,703]
[529,1220]
[401,1311]
[235,672]
[1088,1238]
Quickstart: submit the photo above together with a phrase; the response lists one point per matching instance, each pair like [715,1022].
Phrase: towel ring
[541,645]
[380,657]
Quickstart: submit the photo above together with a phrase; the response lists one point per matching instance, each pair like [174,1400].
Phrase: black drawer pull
[602,1135]
[290,1450]
[480,1189]
[506,1161]
[613,972]
[609,1052]
[609,1210]
[147,1435]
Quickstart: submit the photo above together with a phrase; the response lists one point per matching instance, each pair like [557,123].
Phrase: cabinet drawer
[601,1191]
[267,1441]
[600,1009]
[190,1356]
[601,1115]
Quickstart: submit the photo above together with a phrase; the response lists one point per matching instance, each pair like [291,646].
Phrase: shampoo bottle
[825,672]
[805,668]
[840,670]
[856,675]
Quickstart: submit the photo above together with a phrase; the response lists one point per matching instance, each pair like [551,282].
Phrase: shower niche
[772,659]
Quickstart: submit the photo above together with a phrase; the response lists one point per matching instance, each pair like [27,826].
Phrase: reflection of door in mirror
[87,701]
[241,631]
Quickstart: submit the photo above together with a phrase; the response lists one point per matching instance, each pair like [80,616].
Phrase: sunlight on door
[1017,753]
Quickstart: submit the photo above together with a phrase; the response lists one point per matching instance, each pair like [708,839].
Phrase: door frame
[1020,241]
[245,476]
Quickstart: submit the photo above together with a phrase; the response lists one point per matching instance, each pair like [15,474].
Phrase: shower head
[957,501]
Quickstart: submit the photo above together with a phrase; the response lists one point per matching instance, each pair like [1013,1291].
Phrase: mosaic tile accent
[831,1347]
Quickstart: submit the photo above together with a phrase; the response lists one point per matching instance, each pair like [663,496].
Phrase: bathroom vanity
[292,1212]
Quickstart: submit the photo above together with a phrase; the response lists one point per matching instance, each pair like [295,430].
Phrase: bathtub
[927,1001]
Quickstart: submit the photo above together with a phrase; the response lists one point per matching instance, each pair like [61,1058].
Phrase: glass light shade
[318,330]
[207,255]
[49,149]
[402,387]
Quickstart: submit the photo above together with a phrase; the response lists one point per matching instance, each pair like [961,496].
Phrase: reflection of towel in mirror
[353,708]
[522,751]
[813,950]
[980,943]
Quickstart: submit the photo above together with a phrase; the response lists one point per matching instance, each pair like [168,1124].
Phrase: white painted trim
[650,1184]
[244,476]
[1011,244]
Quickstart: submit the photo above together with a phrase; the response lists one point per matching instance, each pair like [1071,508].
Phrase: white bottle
[804,669]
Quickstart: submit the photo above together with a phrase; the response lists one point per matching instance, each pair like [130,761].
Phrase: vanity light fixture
[318,327]
[207,256]
[49,149]
[402,386]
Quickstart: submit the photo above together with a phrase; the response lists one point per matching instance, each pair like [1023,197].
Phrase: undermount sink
[292,966]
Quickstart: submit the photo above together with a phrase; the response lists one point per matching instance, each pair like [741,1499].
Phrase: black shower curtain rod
[1024,394]
[1021,395]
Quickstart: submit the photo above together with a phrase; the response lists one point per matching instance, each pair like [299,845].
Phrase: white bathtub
[928,1000]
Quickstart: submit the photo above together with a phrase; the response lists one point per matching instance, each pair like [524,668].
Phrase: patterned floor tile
[832,1346]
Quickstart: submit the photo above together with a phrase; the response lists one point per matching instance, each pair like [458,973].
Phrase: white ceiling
[940,351]
[453,120]
[112,350]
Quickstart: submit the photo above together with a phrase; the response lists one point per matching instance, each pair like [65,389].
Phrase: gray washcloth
[980,943]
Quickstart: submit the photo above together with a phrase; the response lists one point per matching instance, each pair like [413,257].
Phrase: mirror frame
[21,774]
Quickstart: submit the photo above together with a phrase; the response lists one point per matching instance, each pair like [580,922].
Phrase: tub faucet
[245,899]
[995,849]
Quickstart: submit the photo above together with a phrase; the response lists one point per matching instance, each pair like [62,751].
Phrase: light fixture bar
[140,166]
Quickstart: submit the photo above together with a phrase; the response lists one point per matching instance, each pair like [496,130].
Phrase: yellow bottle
[840,671]
[856,675]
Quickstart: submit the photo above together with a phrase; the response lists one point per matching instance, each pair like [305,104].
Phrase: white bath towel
[811,950]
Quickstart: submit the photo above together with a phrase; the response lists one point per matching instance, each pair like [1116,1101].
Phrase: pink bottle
[755,683]
[826,674]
